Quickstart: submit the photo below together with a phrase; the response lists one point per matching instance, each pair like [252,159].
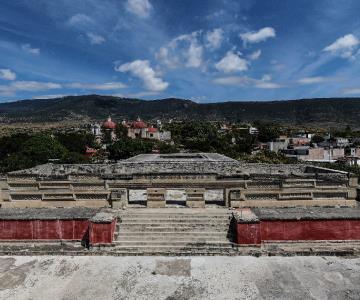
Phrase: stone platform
[188,179]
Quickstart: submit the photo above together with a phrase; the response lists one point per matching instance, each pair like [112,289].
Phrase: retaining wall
[253,232]
[57,225]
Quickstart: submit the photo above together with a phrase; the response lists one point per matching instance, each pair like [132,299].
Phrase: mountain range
[316,112]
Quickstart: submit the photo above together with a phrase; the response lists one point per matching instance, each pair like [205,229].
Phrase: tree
[317,139]
[125,148]
[267,131]
[121,131]
[76,141]
[42,147]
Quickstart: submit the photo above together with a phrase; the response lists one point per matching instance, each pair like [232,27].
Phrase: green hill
[325,112]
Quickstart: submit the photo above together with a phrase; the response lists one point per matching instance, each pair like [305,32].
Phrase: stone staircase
[174,231]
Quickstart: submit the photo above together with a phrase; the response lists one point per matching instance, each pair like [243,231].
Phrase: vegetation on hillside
[328,112]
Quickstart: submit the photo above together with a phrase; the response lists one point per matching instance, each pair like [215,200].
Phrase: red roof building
[109,124]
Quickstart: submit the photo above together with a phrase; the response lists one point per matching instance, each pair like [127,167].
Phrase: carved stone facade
[192,180]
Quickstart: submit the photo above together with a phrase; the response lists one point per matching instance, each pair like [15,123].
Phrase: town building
[140,129]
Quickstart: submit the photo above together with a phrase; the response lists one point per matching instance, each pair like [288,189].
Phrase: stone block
[352,193]
[195,197]
[156,197]
[353,181]
[119,198]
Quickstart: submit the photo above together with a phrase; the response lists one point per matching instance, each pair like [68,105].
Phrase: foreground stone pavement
[244,277]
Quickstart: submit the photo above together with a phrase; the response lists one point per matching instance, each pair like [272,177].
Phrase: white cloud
[142,94]
[182,50]
[344,46]
[80,20]
[351,91]
[34,86]
[166,58]
[95,39]
[312,80]
[142,70]
[141,8]
[255,55]
[232,62]
[214,38]
[29,86]
[194,55]
[27,48]
[258,36]
[97,86]
[50,96]
[7,74]
[267,85]
[245,81]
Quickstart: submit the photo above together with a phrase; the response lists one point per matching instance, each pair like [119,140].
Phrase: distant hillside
[326,112]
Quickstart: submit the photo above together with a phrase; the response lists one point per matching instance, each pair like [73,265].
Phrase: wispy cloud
[7,74]
[141,8]
[232,62]
[344,46]
[96,86]
[27,48]
[313,80]
[214,38]
[28,86]
[255,55]
[95,39]
[351,91]
[258,36]
[245,81]
[183,50]
[50,96]
[142,69]
[81,21]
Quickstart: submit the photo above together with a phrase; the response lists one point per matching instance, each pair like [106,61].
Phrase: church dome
[139,124]
[109,124]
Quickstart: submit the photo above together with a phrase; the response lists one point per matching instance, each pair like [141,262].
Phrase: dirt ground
[241,277]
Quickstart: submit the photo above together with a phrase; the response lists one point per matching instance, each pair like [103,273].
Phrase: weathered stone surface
[221,179]
[70,213]
[173,278]
[308,213]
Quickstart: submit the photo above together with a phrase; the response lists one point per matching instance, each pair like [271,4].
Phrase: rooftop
[307,213]
[180,157]
[48,213]
[179,163]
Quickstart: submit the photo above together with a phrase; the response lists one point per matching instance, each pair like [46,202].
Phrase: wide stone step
[171,224]
[190,221]
[175,234]
[173,229]
[174,252]
[187,238]
[172,246]
[175,215]
[186,244]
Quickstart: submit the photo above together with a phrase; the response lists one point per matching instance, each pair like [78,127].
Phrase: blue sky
[204,50]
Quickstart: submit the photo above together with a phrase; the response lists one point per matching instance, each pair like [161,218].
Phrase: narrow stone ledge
[102,217]
[245,216]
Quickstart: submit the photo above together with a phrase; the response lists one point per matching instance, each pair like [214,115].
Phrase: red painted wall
[248,233]
[311,230]
[301,230]
[43,229]
[102,233]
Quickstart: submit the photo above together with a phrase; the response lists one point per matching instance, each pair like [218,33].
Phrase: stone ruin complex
[192,180]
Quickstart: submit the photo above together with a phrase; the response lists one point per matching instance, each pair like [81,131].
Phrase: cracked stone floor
[173,278]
